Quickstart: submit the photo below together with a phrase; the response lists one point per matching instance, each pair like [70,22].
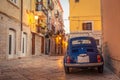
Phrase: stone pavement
[36,68]
[46,67]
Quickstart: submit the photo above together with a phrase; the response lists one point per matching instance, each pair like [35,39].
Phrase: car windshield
[82,41]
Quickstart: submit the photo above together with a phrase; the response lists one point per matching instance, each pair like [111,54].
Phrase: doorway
[24,44]
[12,43]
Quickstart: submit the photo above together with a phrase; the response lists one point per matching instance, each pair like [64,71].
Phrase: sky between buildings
[65,6]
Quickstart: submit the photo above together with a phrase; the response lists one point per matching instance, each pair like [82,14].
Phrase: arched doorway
[12,43]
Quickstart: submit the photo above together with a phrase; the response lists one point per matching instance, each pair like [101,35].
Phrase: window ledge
[16,5]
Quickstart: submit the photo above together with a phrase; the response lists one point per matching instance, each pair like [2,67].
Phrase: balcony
[41,29]
[50,4]
[41,8]
[56,13]
[45,10]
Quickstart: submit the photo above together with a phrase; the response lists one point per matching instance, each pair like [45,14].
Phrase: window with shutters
[76,1]
[87,26]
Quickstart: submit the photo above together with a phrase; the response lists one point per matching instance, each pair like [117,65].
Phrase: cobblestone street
[47,68]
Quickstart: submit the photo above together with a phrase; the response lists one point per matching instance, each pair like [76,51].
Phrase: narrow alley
[46,67]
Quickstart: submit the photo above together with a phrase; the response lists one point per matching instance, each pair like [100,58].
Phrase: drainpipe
[21,21]
[21,15]
[102,36]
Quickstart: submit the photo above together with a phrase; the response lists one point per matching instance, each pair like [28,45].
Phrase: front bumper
[84,65]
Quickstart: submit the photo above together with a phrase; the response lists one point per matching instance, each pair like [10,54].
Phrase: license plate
[83,59]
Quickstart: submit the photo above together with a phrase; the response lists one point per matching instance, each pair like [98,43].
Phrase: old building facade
[19,29]
[55,28]
[27,27]
[38,37]
[85,19]
[14,32]
[58,27]
[111,31]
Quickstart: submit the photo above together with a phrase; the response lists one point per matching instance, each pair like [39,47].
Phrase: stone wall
[3,40]
[7,23]
[10,9]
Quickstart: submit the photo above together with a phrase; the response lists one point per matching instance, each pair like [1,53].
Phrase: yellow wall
[85,10]
[45,3]
[29,15]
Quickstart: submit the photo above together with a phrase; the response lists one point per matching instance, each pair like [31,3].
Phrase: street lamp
[36,17]
[59,37]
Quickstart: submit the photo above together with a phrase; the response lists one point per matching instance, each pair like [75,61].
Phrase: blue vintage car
[82,52]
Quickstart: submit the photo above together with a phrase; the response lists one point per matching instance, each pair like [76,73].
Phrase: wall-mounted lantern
[36,17]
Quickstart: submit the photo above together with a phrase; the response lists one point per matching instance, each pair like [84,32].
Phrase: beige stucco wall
[11,9]
[5,24]
[111,33]
[3,40]
[26,11]
[10,19]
